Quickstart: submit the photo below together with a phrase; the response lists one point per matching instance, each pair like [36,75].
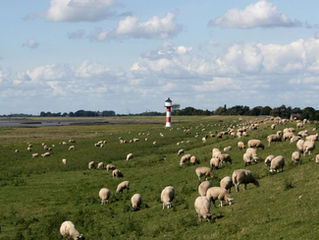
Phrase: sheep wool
[277,163]
[219,193]
[202,188]
[136,201]
[123,185]
[167,196]
[226,183]
[203,171]
[68,229]
[104,195]
[243,176]
[202,208]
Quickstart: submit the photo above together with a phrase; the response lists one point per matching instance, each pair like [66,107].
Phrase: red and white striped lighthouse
[168,105]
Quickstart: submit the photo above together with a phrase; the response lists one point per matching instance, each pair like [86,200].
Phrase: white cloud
[216,84]
[31,44]
[261,14]
[87,70]
[153,28]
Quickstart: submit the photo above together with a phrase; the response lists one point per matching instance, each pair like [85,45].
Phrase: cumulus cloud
[261,14]
[31,44]
[153,28]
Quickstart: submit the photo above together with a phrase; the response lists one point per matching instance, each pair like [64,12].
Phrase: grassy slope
[36,195]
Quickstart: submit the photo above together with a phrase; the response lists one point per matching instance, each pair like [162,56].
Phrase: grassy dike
[37,195]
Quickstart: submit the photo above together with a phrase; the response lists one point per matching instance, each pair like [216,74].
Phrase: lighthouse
[168,105]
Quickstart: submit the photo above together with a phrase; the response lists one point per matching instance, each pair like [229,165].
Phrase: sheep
[226,183]
[253,153]
[317,158]
[16,151]
[215,162]
[46,154]
[308,146]
[203,171]
[29,149]
[241,145]
[104,194]
[117,173]
[303,133]
[255,143]
[72,147]
[287,135]
[224,157]
[136,201]
[247,159]
[300,144]
[243,176]
[91,165]
[110,167]
[295,139]
[276,163]
[100,165]
[295,157]
[202,208]
[269,159]
[312,137]
[219,193]
[68,229]
[228,148]
[123,185]
[215,152]
[129,156]
[35,155]
[180,152]
[273,126]
[167,196]
[274,137]
[204,139]
[300,125]
[64,161]
[193,160]
[202,188]
[184,158]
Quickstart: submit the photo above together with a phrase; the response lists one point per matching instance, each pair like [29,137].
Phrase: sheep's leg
[163,206]
[237,187]
[245,186]
[214,203]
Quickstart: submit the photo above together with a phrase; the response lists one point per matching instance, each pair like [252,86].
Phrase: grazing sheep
[274,137]
[247,159]
[129,156]
[16,151]
[295,139]
[255,143]
[243,176]
[202,208]
[35,155]
[228,148]
[216,152]
[308,146]
[295,157]
[273,126]
[72,147]
[287,135]
[136,201]
[276,163]
[117,173]
[68,229]
[224,157]
[104,194]
[204,171]
[91,165]
[110,167]
[46,154]
[184,158]
[226,183]
[215,163]
[253,153]
[312,137]
[180,152]
[100,165]
[64,161]
[303,133]
[219,193]
[167,196]
[269,159]
[29,149]
[241,145]
[300,125]
[123,185]
[300,144]
[202,188]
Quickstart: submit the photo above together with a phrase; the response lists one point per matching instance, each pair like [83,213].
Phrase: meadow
[38,194]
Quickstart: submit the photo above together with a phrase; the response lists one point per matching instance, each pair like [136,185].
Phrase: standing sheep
[216,152]
[295,157]
[243,176]
[180,152]
[123,185]
[184,159]
[193,160]
[117,173]
[300,144]
[255,143]
[167,196]
[64,161]
[274,137]
[308,146]
[219,193]
[224,157]
[241,145]
[129,156]
[202,188]
[91,165]
[110,167]
[226,183]
[204,171]
[68,229]
[215,163]
[269,159]
[276,163]
[35,155]
[202,208]
[136,201]
[228,148]
[72,147]
[100,165]
[104,194]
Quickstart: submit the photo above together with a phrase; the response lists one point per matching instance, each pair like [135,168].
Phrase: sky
[130,56]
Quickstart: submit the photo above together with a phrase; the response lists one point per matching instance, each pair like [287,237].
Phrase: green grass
[37,195]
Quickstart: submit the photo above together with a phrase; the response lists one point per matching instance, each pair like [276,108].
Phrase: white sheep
[100,165]
[277,163]
[300,144]
[269,159]
[252,153]
[312,137]
[228,148]
[129,156]
[214,162]
[104,194]
[295,139]
[180,152]
[274,137]
[184,159]
[167,196]
[243,176]
[136,201]
[123,185]
[91,165]
[202,188]
[303,133]
[204,171]
[219,193]
[68,229]
[224,157]
[35,155]
[72,147]
[64,161]
[317,158]
[241,145]
[110,167]
[247,159]
[193,160]
[226,183]
[117,173]
[202,208]
[295,157]
[215,152]
[308,146]
[255,143]
[46,154]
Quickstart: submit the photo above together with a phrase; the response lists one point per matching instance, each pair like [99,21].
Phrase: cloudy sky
[129,56]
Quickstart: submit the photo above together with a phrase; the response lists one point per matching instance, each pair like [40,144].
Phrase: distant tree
[265,111]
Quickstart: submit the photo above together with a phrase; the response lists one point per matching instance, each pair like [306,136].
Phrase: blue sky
[129,56]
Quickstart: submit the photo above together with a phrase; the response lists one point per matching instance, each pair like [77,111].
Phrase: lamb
[129,156]
[203,171]
[312,137]
[180,152]
[308,146]
[64,161]
[193,160]
[295,157]
[219,193]
[100,165]
[91,165]
[241,145]
[35,155]
[117,173]
[243,176]
[215,163]
[228,148]
[184,158]
[255,143]
[110,167]
[202,208]
[202,188]
[123,185]
[167,196]
[136,201]
[269,159]
[274,137]
[226,183]
[104,194]
[68,229]
[276,163]
[300,144]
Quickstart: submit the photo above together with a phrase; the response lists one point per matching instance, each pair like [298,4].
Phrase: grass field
[38,194]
